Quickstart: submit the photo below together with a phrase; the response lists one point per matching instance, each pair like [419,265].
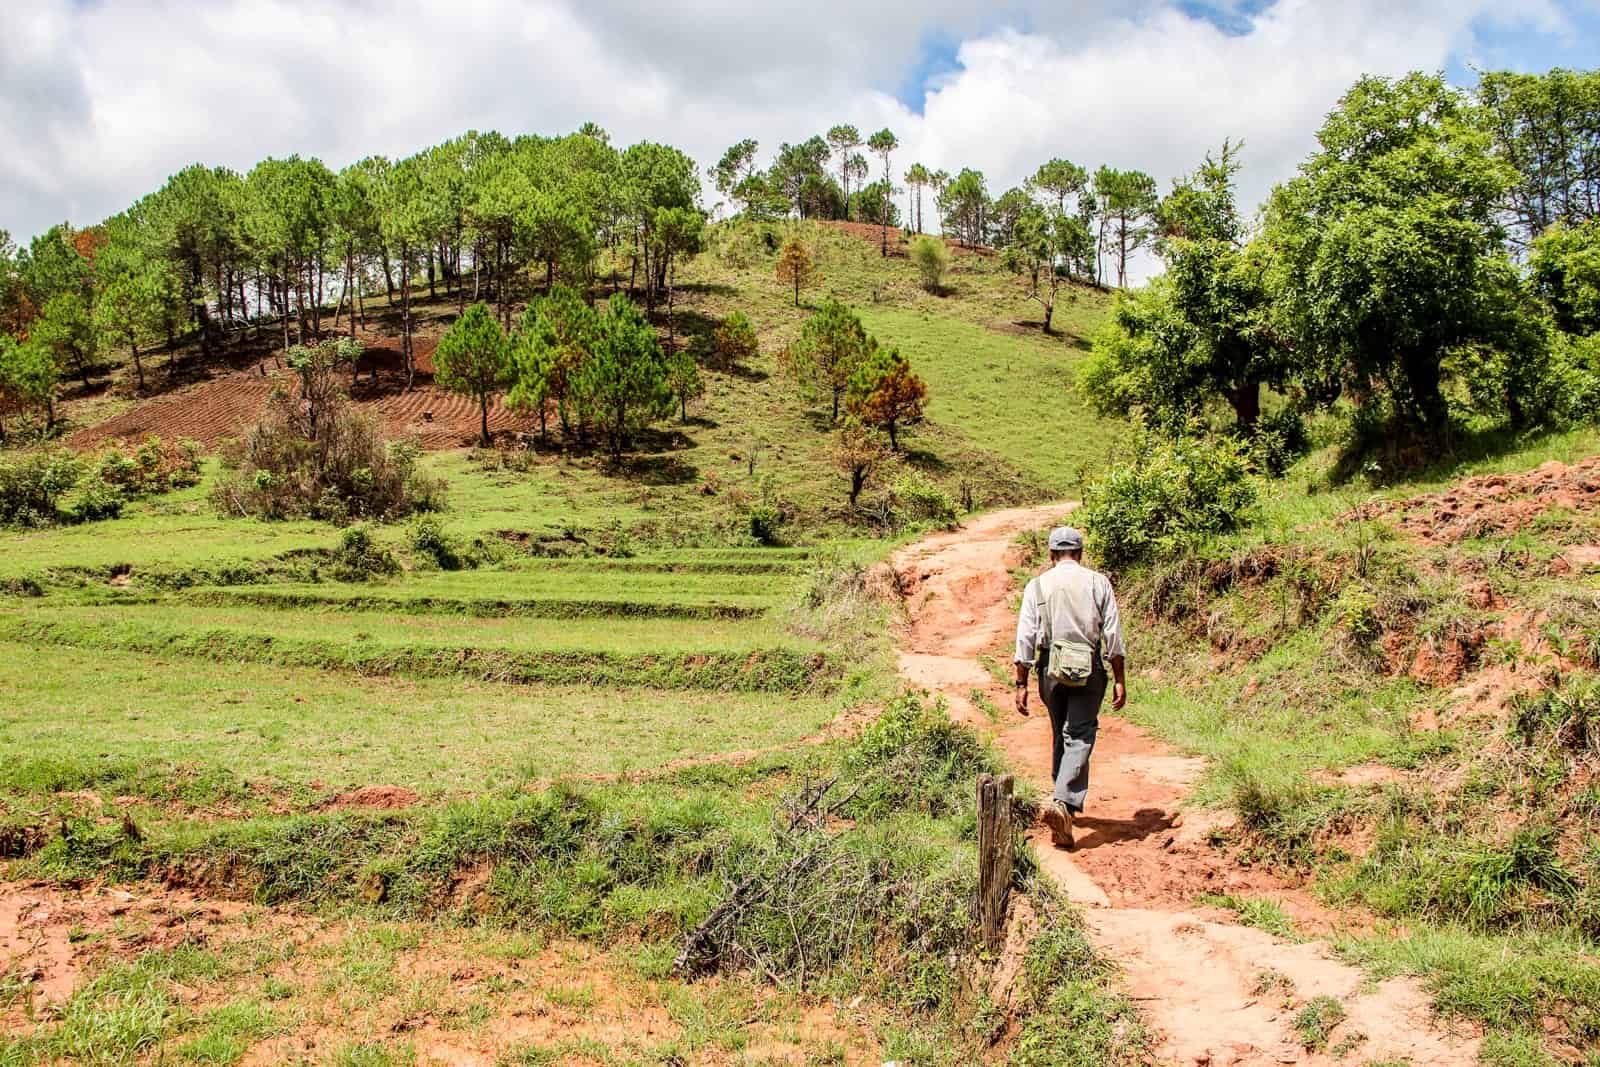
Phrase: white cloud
[98,103]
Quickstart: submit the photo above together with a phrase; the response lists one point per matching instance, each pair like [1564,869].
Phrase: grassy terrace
[75,718]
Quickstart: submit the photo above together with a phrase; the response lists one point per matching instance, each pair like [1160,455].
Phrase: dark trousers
[1074,722]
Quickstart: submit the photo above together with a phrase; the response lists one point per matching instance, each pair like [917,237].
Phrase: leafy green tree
[734,169]
[1045,241]
[556,233]
[843,141]
[474,360]
[875,203]
[569,325]
[625,377]
[1127,203]
[794,165]
[536,370]
[1004,213]
[1205,329]
[831,347]
[29,378]
[1136,361]
[886,393]
[129,309]
[1387,247]
[685,380]
[1062,180]
[964,208]
[1547,128]
[65,327]
[882,144]
[917,178]
[1565,271]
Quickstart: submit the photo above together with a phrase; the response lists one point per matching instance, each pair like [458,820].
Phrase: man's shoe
[1058,817]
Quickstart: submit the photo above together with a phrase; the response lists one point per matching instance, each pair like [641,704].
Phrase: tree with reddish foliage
[886,393]
[796,268]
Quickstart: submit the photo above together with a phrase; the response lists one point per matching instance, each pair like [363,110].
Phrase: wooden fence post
[994,856]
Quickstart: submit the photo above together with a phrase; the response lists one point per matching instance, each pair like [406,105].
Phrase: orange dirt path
[1142,860]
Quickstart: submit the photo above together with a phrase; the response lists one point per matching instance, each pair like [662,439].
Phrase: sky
[100,100]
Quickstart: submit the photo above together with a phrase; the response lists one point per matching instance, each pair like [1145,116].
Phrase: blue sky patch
[936,57]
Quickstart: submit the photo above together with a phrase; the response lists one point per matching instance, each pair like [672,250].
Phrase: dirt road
[1214,992]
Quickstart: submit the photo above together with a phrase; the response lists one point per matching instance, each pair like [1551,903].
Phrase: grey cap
[1066,539]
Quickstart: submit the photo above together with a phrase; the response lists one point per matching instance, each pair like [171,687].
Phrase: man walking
[1070,628]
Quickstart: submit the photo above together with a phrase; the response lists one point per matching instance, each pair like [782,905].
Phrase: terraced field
[441,682]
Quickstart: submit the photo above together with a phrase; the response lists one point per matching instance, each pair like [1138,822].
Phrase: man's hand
[1022,700]
[1119,696]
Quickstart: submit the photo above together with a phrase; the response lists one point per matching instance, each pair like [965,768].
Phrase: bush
[429,541]
[359,557]
[932,260]
[1174,494]
[151,467]
[313,456]
[917,498]
[97,499]
[733,341]
[32,486]
[1279,440]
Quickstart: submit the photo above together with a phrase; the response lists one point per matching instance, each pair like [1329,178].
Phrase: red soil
[224,407]
[1494,503]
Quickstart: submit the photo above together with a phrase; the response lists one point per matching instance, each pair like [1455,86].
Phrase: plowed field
[225,406]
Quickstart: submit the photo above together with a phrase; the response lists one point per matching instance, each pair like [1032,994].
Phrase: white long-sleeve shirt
[1069,602]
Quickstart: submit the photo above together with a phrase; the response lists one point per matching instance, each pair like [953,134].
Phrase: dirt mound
[1493,503]
[384,797]
[224,407]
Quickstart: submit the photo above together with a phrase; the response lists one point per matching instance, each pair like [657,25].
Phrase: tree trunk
[405,316]
[858,482]
[1421,369]
[432,294]
[1049,311]
[388,277]
[138,364]
[894,439]
[1246,401]
[483,410]
[283,295]
[351,286]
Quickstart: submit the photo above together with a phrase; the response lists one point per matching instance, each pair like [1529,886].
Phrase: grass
[1260,912]
[92,713]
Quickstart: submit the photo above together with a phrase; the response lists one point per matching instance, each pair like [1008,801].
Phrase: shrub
[734,340]
[153,466]
[97,499]
[932,260]
[764,521]
[917,498]
[313,456]
[1279,440]
[359,557]
[1173,494]
[32,486]
[429,541]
